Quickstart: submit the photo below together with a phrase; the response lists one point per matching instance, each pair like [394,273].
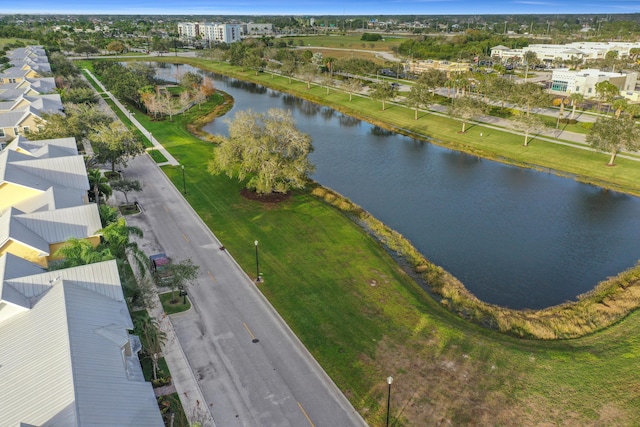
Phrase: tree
[421,91]
[466,109]
[116,47]
[99,185]
[265,148]
[308,73]
[530,58]
[253,62]
[126,186]
[152,339]
[76,252]
[382,92]
[114,144]
[575,98]
[117,237]
[191,81]
[529,95]
[85,49]
[178,276]
[351,86]
[611,134]
[528,125]
[289,68]
[606,91]
[327,81]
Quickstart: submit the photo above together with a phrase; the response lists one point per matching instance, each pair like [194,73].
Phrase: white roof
[44,148]
[42,173]
[59,225]
[62,361]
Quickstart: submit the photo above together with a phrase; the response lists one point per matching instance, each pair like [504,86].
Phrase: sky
[320,7]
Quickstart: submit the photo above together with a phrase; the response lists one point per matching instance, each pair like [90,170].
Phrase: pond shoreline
[607,303]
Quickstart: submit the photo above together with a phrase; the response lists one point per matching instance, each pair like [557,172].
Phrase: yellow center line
[213,279]
[185,238]
[253,337]
[305,415]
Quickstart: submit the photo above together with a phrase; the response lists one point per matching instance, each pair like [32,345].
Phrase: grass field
[364,319]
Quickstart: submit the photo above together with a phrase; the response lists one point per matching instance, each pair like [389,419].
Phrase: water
[515,237]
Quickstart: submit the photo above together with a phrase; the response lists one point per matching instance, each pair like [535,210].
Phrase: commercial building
[584,82]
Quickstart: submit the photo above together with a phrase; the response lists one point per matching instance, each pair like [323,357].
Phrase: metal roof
[61,362]
[62,224]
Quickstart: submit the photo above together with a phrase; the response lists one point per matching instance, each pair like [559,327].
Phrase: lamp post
[184,183]
[257,264]
[389,381]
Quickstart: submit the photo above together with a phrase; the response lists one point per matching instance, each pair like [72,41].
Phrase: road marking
[213,279]
[185,238]
[165,209]
[253,337]
[305,415]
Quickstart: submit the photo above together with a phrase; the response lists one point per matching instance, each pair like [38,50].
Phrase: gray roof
[49,103]
[62,360]
[14,118]
[58,147]
[60,225]
[42,173]
[11,229]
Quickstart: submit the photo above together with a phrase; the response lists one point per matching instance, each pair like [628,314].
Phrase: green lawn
[172,304]
[364,318]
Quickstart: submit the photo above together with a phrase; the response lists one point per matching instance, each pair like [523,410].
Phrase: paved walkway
[156,144]
[182,379]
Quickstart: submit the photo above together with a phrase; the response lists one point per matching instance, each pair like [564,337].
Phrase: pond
[515,237]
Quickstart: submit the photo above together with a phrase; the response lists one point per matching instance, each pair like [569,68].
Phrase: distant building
[584,82]
[211,32]
[564,52]
[420,66]
[256,29]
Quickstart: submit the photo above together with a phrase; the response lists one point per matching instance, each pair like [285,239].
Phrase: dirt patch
[442,387]
[271,198]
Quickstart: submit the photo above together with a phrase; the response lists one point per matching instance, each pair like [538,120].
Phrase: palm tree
[99,185]
[575,99]
[152,338]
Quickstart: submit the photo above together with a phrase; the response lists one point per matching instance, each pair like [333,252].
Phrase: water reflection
[515,237]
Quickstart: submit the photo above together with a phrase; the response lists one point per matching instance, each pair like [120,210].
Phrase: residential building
[211,32]
[67,357]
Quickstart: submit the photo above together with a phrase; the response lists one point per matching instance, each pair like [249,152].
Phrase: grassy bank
[364,318]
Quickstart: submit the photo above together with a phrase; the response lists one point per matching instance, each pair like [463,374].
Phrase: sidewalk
[156,145]
[182,378]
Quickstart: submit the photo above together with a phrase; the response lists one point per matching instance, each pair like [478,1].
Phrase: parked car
[159,266]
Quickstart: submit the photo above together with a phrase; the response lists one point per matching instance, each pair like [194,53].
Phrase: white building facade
[211,32]
[584,82]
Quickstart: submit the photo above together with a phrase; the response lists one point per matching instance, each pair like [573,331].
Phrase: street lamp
[389,381]
[257,264]
[184,183]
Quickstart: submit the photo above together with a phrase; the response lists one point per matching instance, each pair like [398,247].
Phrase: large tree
[114,144]
[467,108]
[383,92]
[611,134]
[267,149]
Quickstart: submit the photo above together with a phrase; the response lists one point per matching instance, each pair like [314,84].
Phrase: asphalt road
[252,370]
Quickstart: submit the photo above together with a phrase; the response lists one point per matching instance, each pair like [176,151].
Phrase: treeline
[464,46]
